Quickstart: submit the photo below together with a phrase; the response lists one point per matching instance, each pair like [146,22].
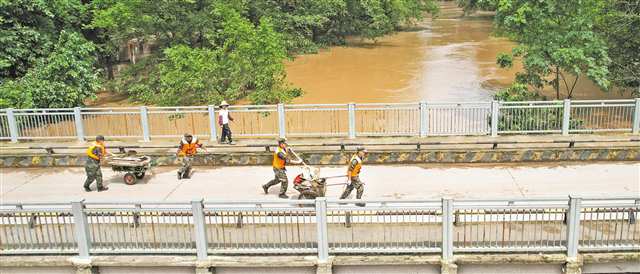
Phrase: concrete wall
[510,269]
[509,263]
[38,270]
[605,268]
[387,269]
[263,270]
[610,268]
[146,270]
[374,157]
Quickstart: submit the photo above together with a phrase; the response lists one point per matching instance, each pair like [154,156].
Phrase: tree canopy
[203,50]
[560,41]
[58,53]
[45,60]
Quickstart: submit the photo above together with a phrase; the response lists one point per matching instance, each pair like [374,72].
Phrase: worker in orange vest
[95,153]
[187,149]
[280,160]
[353,175]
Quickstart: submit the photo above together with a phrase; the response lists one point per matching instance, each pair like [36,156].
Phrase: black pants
[226,133]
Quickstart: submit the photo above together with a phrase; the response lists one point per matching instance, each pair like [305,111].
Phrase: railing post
[424,119]
[144,121]
[282,132]
[566,116]
[197,209]
[495,111]
[321,222]
[13,125]
[447,262]
[81,225]
[213,123]
[573,227]
[77,116]
[636,117]
[352,120]
[447,229]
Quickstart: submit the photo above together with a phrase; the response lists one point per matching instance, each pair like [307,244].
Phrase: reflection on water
[448,59]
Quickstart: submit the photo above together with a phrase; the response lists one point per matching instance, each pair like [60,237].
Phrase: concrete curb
[340,158]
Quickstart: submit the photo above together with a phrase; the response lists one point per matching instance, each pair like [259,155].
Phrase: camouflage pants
[355,183]
[280,177]
[92,168]
[306,192]
[186,164]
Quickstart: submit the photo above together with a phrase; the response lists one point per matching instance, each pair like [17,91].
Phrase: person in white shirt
[223,121]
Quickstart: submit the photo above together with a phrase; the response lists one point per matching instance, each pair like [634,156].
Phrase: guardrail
[329,120]
[323,227]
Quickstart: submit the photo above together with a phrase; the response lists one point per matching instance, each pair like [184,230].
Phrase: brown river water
[449,58]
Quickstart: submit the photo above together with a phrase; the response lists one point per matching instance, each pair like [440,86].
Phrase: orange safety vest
[90,153]
[356,169]
[189,149]
[277,162]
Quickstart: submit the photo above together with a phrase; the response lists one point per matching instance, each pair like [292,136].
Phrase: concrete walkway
[382,182]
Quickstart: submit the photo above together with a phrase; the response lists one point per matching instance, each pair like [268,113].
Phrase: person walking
[223,121]
[186,151]
[280,160]
[353,175]
[95,153]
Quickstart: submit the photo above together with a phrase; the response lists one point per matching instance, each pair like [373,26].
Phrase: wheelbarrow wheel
[129,178]
[139,175]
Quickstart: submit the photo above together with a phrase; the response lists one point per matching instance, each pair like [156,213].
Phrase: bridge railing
[323,227]
[326,120]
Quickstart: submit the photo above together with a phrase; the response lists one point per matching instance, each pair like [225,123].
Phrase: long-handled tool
[336,184]
[331,177]
[301,161]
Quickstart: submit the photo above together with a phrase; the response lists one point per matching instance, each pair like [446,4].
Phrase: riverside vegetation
[61,52]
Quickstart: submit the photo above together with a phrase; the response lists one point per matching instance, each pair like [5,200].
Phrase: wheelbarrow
[133,166]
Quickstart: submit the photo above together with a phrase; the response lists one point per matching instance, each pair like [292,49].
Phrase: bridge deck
[382,182]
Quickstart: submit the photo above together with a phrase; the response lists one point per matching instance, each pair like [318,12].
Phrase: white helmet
[306,173]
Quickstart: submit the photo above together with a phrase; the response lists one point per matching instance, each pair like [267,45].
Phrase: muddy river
[449,58]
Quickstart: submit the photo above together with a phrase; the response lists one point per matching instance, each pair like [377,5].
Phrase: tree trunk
[573,87]
[557,84]
[110,75]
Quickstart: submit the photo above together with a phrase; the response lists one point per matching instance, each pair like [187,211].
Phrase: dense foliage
[203,50]
[619,24]
[470,6]
[64,78]
[45,60]
[560,41]
[556,42]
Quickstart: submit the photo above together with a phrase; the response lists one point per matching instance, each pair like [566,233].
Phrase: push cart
[133,166]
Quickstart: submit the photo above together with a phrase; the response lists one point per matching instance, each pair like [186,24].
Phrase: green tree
[29,30]
[375,18]
[304,25]
[230,59]
[63,79]
[619,25]
[470,6]
[556,39]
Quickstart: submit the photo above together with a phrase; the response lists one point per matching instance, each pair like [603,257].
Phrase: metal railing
[327,120]
[323,227]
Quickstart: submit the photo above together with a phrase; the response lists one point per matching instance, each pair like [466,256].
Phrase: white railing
[323,227]
[327,120]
